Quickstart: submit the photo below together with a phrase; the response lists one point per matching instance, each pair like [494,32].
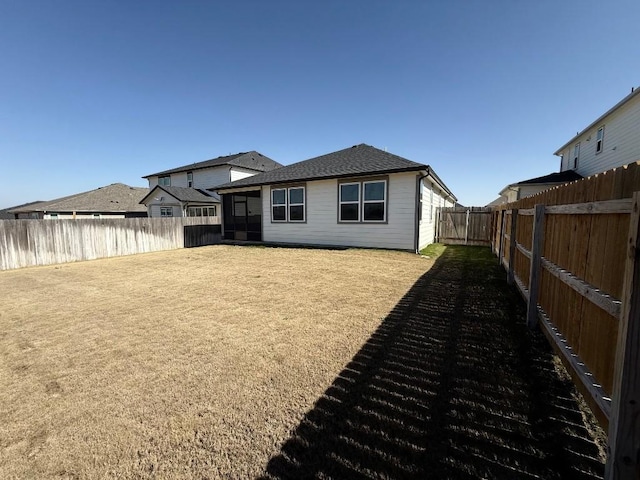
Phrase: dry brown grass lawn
[189,363]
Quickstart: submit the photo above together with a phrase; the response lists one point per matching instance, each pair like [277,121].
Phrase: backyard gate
[464,226]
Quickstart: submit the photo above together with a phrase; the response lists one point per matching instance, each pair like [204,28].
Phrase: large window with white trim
[164,181]
[362,201]
[288,204]
[202,211]
[576,155]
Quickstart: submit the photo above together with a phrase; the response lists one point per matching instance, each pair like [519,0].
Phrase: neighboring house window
[189,179]
[165,181]
[53,215]
[364,201]
[349,202]
[576,155]
[96,215]
[288,204]
[166,211]
[202,211]
[600,139]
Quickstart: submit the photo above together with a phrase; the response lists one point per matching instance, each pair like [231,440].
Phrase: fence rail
[572,251]
[464,226]
[25,243]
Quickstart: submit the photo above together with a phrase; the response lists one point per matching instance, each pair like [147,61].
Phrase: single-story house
[181,202]
[526,188]
[112,201]
[357,197]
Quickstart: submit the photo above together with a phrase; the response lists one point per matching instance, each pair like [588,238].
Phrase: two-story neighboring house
[612,140]
[186,190]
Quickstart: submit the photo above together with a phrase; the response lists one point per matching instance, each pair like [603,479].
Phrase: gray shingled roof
[7,213]
[252,160]
[558,177]
[357,160]
[185,194]
[116,197]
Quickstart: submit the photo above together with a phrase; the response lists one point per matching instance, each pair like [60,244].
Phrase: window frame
[362,181]
[600,141]
[576,155]
[349,202]
[190,179]
[164,180]
[163,210]
[287,202]
[383,201]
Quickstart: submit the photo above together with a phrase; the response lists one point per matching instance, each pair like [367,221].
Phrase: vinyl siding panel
[621,144]
[322,227]
[433,198]
[237,173]
[203,178]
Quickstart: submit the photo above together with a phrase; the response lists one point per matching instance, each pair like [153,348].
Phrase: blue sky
[97,92]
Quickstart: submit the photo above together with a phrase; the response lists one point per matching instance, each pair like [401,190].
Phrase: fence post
[500,237]
[512,245]
[624,424]
[466,229]
[534,272]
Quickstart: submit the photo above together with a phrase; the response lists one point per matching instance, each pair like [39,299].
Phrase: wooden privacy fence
[573,253]
[464,226]
[25,243]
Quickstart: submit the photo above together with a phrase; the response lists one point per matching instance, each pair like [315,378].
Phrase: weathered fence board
[25,243]
[201,235]
[465,226]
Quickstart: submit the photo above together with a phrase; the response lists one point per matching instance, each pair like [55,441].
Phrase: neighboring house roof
[184,194]
[598,121]
[116,197]
[252,160]
[358,160]
[497,201]
[551,179]
[7,213]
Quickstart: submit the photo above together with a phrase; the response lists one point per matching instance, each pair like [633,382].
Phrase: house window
[576,155]
[202,211]
[288,204]
[189,179]
[600,139]
[349,202]
[165,181]
[374,201]
[364,201]
[96,215]
[53,215]
[279,205]
[166,211]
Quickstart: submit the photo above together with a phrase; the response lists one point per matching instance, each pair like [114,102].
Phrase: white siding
[621,144]
[203,178]
[322,227]
[237,173]
[81,216]
[430,205]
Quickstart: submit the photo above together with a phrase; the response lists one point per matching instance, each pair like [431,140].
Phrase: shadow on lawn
[451,385]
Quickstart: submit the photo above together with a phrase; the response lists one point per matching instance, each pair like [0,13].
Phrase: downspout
[416,231]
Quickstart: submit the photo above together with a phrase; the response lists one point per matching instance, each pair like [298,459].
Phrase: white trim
[383,201]
[600,146]
[349,202]
[286,193]
[289,204]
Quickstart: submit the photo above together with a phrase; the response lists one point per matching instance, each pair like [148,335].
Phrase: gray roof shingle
[186,194]
[557,177]
[116,197]
[354,161]
[252,160]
